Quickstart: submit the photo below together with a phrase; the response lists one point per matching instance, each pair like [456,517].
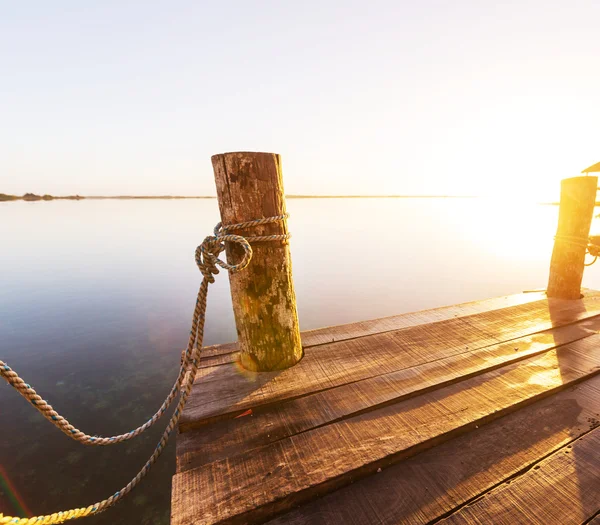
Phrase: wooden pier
[485,412]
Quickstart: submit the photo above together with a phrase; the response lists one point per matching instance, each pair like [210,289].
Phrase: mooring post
[577,201]
[250,186]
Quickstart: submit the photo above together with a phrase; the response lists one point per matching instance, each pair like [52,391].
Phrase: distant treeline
[34,197]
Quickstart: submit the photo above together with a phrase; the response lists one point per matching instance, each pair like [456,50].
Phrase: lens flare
[13,496]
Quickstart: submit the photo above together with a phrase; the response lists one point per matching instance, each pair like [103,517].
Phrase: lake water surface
[97,295]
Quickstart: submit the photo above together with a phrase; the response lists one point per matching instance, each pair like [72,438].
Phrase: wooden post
[577,201]
[250,186]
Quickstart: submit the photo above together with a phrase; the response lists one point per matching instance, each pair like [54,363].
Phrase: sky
[380,97]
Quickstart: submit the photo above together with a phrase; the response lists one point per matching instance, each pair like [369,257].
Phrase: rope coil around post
[207,260]
[590,247]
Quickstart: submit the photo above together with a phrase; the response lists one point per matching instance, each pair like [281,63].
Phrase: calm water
[96,299]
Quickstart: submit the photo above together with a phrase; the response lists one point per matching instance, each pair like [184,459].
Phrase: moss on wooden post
[250,186]
[577,201]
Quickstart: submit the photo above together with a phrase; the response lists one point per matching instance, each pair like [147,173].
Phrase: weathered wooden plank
[562,489]
[229,437]
[396,322]
[329,334]
[215,359]
[218,360]
[264,481]
[229,390]
[222,349]
[434,483]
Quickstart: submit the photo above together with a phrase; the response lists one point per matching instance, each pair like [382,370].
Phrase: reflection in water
[97,296]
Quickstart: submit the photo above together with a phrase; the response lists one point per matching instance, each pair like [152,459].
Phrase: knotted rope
[207,260]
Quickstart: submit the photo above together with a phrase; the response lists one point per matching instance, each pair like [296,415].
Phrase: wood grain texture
[224,391]
[577,201]
[227,353]
[563,489]
[229,437]
[257,484]
[396,322]
[217,350]
[250,186]
[436,482]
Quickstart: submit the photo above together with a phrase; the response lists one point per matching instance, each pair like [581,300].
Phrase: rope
[220,234]
[577,241]
[207,260]
[592,249]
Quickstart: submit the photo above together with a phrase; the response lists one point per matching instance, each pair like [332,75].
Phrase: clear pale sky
[378,97]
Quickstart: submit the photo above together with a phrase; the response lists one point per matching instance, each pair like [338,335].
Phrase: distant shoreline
[4,197]
[32,197]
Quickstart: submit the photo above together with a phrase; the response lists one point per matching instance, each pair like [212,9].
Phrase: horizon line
[32,196]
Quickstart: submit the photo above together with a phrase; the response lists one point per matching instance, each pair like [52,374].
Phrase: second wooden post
[577,201]
[250,186]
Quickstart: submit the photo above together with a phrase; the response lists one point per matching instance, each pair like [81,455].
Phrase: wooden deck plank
[222,349]
[225,390]
[330,334]
[434,483]
[562,489]
[230,437]
[396,322]
[264,481]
